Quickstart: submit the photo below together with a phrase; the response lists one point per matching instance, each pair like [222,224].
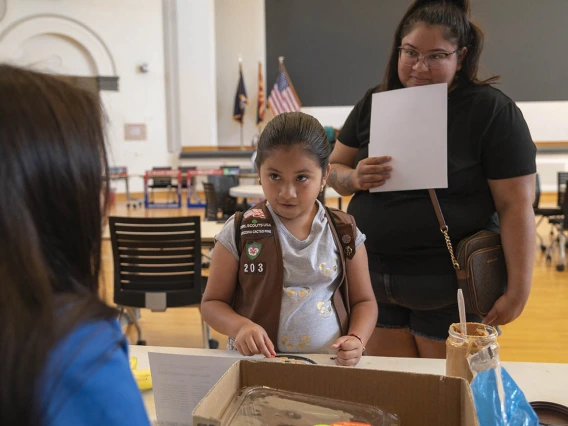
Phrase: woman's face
[426,40]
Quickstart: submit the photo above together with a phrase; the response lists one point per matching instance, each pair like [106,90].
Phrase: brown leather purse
[479,264]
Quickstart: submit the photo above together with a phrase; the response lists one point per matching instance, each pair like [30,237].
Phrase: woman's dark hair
[294,128]
[454,17]
[52,196]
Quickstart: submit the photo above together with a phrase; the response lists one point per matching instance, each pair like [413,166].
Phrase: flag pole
[242,139]
[242,118]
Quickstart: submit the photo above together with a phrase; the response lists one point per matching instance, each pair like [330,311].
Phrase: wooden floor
[539,335]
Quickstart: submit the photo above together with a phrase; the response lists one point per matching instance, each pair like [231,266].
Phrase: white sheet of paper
[411,125]
[181,381]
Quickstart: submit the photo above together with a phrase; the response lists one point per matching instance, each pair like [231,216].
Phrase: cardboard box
[418,399]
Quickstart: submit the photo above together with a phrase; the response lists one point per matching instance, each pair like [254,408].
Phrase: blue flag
[240,99]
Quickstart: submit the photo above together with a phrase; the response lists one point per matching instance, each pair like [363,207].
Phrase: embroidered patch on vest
[254,213]
[253,250]
[346,239]
[254,268]
[256,230]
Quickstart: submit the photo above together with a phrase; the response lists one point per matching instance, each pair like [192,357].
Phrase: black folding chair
[212,207]
[543,213]
[161,183]
[157,265]
[557,224]
[184,170]
[226,203]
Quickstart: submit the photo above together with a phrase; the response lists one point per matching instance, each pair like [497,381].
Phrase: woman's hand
[349,350]
[506,309]
[252,339]
[370,173]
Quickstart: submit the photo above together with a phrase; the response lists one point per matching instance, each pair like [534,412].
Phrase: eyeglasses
[432,61]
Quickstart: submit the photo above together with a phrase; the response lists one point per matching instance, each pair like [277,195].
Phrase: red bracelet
[358,338]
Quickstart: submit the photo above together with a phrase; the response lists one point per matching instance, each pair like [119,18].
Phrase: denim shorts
[424,304]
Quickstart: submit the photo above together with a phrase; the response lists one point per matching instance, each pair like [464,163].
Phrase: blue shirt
[87,380]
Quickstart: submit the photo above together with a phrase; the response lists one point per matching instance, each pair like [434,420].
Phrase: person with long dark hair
[64,358]
[491,185]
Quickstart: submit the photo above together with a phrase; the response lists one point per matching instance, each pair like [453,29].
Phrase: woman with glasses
[491,185]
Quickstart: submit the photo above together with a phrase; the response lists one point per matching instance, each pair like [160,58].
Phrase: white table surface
[538,381]
[255,191]
[209,229]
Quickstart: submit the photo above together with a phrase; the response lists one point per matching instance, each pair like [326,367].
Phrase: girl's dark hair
[52,196]
[454,17]
[294,128]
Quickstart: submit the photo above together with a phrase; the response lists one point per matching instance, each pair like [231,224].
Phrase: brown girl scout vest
[258,295]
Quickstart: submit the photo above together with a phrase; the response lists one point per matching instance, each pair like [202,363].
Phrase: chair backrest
[211,202]
[536,201]
[564,208]
[183,170]
[223,183]
[562,181]
[161,182]
[157,261]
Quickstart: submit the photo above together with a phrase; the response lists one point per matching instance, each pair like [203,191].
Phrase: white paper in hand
[411,126]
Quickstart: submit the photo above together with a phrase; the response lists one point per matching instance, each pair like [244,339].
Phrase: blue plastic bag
[498,400]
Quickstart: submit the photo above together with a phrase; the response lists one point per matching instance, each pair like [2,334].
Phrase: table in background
[538,381]
[209,229]
[121,173]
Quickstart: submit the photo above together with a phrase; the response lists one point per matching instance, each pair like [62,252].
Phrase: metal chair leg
[562,243]
[132,315]
[550,247]
[206,333]
[539,237]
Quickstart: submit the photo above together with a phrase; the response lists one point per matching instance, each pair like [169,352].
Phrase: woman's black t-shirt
[488,138]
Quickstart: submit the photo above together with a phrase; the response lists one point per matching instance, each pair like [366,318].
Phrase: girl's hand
[349,350]
[371,173]
[506,309]
[252,339]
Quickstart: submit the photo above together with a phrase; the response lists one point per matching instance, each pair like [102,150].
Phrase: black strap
[347,247]
[437,209]
[238,221]
[444,228]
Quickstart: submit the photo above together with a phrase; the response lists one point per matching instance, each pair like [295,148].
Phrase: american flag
[283,98]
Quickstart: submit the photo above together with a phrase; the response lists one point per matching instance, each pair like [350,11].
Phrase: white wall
[111,37]
[196,63]
[240,30]
[547,121]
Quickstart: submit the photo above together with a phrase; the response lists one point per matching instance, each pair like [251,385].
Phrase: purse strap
[443,227]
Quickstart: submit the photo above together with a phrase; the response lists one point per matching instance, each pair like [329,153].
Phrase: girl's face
[291,180]
[428,40]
